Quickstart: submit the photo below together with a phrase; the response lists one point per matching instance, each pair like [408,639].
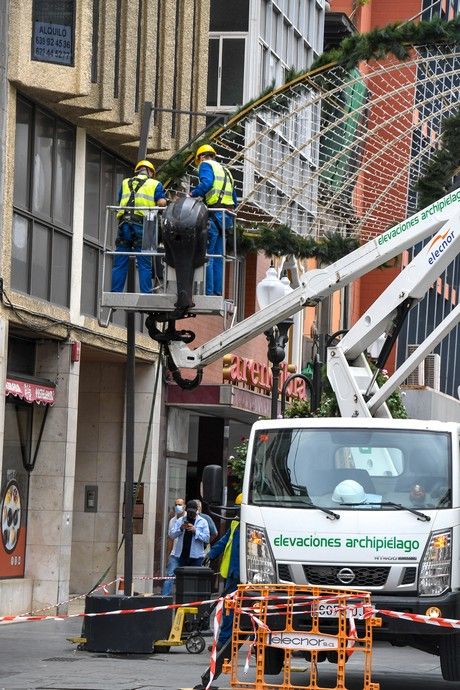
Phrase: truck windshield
[355,469]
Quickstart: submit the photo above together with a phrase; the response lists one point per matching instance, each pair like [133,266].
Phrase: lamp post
[308,385]
[269,290]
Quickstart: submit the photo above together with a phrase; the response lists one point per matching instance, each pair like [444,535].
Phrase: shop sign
[249,373]
[30,392]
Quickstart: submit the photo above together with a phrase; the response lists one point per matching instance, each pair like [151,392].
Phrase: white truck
[364,500]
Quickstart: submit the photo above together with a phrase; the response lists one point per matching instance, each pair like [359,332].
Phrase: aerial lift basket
[319,622]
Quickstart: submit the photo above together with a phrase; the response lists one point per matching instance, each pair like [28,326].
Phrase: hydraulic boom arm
[348,369]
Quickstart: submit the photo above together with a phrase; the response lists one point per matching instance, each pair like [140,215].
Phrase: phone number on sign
[41,41]
[332,611]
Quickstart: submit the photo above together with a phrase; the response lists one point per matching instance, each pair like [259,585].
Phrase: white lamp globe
[287,284]
[270,289]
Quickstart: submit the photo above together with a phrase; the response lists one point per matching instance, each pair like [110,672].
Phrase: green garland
[396,39]
[282,241]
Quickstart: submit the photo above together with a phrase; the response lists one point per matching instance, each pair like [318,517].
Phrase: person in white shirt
[193,534]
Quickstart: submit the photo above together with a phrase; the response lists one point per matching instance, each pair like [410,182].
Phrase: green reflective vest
[225,563]
[221,193]
[144,197]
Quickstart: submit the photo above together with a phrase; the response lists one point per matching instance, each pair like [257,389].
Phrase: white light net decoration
[342,150]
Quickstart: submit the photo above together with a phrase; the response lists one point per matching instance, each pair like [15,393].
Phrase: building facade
[70,119]
[433,98]
[250,48]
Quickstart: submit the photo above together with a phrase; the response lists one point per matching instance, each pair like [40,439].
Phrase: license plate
[324,610]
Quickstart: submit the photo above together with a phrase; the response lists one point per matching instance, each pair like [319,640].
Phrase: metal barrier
[319,622]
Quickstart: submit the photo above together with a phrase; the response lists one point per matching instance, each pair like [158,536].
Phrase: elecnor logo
[299,640]
[438,244]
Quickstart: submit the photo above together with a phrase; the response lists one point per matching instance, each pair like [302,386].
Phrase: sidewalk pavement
[37,655]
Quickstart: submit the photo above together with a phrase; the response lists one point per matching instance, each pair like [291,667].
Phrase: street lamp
[269,290]
[308,386]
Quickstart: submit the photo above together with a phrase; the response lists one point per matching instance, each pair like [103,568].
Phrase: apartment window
[223,20]
[104,173]
[53,31]
[225,71]
[43,202]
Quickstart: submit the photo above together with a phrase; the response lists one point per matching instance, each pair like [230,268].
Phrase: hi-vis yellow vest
[225,563]
[221,193]
[144,197]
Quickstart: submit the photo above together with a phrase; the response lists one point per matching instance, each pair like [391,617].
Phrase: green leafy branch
[282,241]
[396,39]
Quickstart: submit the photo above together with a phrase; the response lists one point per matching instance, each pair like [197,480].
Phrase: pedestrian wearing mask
[191,533]
[173,561]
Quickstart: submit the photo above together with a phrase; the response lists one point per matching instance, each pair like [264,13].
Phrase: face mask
[179,509]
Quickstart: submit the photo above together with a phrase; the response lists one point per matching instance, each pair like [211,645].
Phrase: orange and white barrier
[419,618]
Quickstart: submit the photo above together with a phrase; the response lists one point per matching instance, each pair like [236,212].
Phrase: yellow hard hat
[145,164]
[206,148]
[239,500]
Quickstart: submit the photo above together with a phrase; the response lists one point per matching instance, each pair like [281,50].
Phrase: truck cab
[374,505]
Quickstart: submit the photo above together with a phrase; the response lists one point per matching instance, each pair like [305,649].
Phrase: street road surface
[37,656]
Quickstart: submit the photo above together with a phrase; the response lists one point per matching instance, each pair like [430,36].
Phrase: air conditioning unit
[428,372]
[433,371]
[417,378]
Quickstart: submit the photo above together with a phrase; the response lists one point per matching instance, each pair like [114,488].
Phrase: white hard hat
[349,491]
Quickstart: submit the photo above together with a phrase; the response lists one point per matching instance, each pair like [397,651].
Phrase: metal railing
[152,246]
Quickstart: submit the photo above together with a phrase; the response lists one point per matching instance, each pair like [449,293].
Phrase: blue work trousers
[215,266]
[131,236]
[231,584]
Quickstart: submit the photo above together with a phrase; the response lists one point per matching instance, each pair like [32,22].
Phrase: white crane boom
[441,217]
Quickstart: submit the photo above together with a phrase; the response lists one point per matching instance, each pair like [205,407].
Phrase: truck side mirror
[212,484]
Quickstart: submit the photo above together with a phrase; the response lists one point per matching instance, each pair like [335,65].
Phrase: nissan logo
[346,576]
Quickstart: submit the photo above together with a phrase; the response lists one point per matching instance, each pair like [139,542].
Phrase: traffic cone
[121,585]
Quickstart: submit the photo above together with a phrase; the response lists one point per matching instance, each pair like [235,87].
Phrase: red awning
[30,392]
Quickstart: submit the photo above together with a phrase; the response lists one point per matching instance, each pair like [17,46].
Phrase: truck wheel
[273,661]
[449,654]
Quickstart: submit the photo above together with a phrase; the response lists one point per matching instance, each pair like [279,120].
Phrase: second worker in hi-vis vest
[139,191]
[216,187]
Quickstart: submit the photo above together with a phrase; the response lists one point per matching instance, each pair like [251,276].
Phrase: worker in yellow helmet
[217,189]
[229,545]
[136,193]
